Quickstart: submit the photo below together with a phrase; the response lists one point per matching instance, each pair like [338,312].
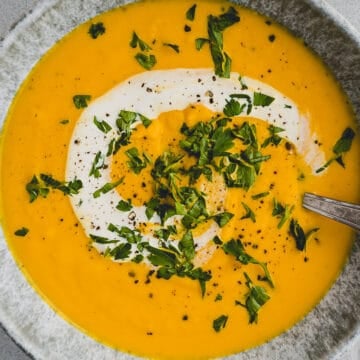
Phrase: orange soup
[152,172]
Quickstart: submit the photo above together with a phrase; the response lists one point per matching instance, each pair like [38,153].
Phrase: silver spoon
[341,211]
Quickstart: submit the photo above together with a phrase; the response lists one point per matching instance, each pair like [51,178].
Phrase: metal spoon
[341,211]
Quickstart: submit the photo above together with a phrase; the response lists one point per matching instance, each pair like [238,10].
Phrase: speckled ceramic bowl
[324,333]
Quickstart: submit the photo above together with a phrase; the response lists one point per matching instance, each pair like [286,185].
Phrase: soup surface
[152,174]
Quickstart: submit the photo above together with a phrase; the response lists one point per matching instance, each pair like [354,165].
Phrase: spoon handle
[341,211]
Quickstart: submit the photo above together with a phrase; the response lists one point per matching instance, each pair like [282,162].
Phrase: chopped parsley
[216,27]
[40,186]
[274,138]
[96,30]
[282,211]
[107,188]
[146,61]
[249,213]
[21,232]
[200,42]
[220,323]
[124,122]
[297,232]
[136,163]
[64,122]
[342,146]
[124,205]
[98,163]
[137,42]
[190,13]
[260,195]
[175,47]
[255,299]
[236,249]
[103,126]
[223,218]
[81,101]
[262,99]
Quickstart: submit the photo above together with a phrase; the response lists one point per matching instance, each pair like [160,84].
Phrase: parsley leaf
[249,213]
[190,14]
[35,189]
[274,138]
[233,108]
[283,211]
[42,185]
[342,146]
[97,164]
[223,218]
[136,41]
[297,232]
[236,249]
[187,246]
[81,101]
[255,299]
[124,122]
[68,188]
[262,99]
[122,251]
[131,236]
[146,61]
[260,195]
[247,133]
[220,322]
[102,240]
[96,30]
[175,47]
[124,205]
[136,163]
[216,26]
[21,232]
[107,187]
[200,42]
[102,125]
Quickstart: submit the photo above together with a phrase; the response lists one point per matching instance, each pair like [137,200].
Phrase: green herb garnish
[274,138]
[342,146]
[200,42]
[98,163]
[236,249]
[136,41]
[81,101]
[260,195]
[102,240]
[136,163]
[124,205]
[223,218]
[220,322]
[175,47]
[262,99]
[282,211]
[21,232]
[190,14]
[96,30]
[146,61]
[107,187]
[249,213]
[255,299]
[216,27]
[102,125]
[297,232]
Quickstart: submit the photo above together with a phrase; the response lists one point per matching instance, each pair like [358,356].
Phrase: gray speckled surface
[329,326]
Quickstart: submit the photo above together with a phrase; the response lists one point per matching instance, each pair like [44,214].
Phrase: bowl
[325,333]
